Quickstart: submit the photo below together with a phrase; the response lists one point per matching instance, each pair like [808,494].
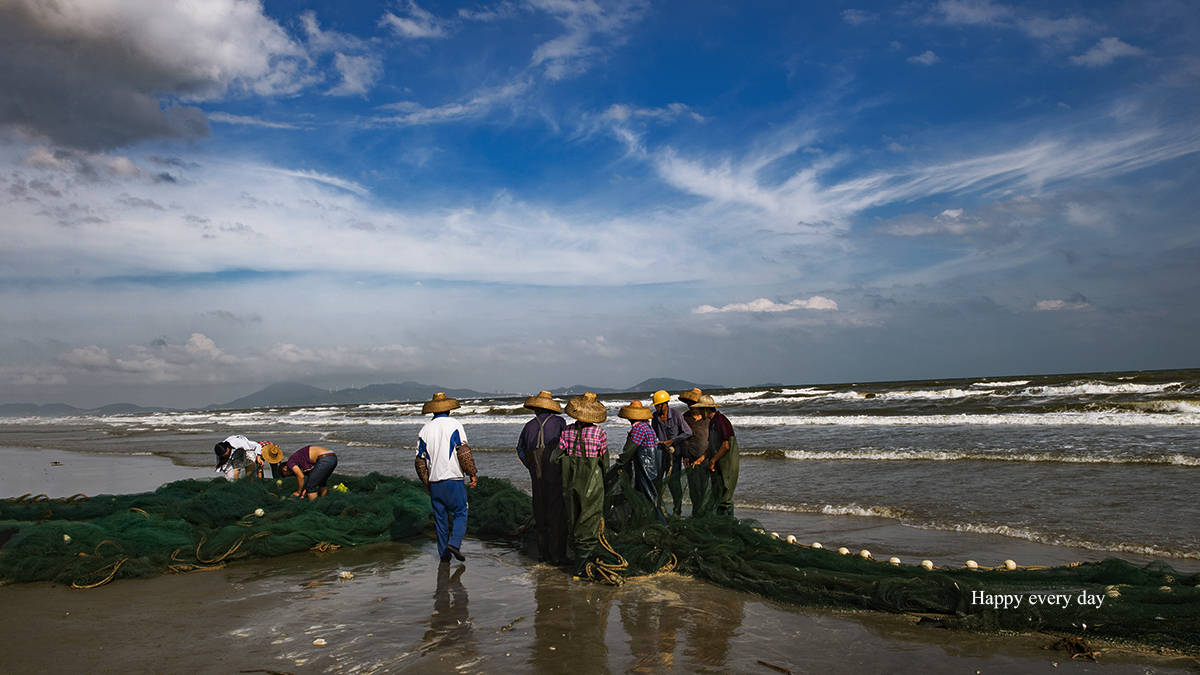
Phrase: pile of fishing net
[192,525]
[1114,601]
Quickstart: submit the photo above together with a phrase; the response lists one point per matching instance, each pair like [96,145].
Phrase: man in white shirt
[443,459]
[238,454]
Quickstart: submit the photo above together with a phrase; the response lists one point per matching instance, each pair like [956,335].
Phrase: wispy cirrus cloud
[1104,52]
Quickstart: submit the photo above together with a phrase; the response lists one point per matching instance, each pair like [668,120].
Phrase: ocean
[1106,462]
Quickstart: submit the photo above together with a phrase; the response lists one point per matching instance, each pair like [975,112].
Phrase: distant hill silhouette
[291,394]
[64,410]
[653,384]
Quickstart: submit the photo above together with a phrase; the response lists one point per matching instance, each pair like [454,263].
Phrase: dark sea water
[1108,462]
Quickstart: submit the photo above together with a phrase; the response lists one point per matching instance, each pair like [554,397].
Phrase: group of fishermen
[567,464]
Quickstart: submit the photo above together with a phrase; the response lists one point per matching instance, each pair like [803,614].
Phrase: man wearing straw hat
[643,452]
[536,449]
[443,457]
[723,458]
[689,454]
[584,448]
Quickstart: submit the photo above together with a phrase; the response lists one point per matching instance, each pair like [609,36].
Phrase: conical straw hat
[635,411]
[587,409]
[706,401]
[690,396]
[543,401]
[272,453]
[440,404]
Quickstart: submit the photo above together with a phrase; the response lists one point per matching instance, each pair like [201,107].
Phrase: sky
[204,197]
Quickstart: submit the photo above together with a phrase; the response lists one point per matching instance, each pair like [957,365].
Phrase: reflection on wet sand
[670,633]
[570,624]
[450,626]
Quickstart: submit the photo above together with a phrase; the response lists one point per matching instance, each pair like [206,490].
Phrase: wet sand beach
[403,612]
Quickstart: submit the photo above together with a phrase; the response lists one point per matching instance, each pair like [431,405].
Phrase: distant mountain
[671,385]
[271,396]
[291,394]
[64,410]
[577,389]
[652,384]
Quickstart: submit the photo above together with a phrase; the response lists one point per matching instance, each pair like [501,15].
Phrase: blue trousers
[449,499]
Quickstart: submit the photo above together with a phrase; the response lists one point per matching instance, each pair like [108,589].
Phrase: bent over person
[443,459]
[584,459]
[536,448]
[312,466]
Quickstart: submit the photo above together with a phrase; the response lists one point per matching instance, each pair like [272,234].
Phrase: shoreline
[402,612]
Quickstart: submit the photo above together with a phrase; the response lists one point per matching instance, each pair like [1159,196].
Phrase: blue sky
[203,198]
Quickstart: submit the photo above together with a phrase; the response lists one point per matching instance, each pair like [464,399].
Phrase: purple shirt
[583,440]
[300,458]
[553,429]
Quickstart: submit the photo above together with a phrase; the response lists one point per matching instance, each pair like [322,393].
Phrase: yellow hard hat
[661,396]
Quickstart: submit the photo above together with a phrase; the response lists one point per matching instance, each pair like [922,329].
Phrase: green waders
[727,472]
[583,490]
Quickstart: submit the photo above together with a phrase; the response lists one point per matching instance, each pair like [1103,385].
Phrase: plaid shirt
[583,440]
[642,434]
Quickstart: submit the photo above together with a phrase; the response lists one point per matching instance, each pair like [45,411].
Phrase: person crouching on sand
[312,466]
[584,460]
[443,457]
[238,455]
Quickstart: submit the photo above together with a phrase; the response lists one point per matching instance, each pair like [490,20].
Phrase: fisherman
[690,454]
[238,455]
[312,466]
[443,457]
[723,456]
[584,448]
[537,448]
[643,452]
[671,430]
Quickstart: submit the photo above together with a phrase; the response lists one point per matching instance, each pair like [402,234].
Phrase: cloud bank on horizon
[202,198]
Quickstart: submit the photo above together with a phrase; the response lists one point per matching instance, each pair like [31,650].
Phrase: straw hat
[691,396]
[635,411]
[705,401]
[440,404]
[271,453]
[587,409]
[543,401]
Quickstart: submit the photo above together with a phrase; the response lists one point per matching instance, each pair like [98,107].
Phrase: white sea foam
[1012,383]
[953,455]
[1033,535]
[1098,389]
[1096,418]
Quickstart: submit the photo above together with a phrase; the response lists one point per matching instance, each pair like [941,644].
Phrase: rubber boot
[581,560]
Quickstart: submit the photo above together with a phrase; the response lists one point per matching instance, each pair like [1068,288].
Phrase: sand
[499,612]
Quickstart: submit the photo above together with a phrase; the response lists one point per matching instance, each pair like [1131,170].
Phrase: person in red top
[723,458]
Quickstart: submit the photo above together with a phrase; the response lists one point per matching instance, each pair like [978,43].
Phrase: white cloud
[359,74]
[593,27]
[413,114]
[249,121]
[765,305]
[858,16]
[419,23]
[926,59]
[1076,303]
[122,56]
[972,12]
[1105,51]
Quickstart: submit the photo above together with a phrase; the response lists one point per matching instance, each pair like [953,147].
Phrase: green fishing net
[193,525]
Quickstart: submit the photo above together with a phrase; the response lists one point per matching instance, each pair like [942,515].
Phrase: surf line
[1056,598]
